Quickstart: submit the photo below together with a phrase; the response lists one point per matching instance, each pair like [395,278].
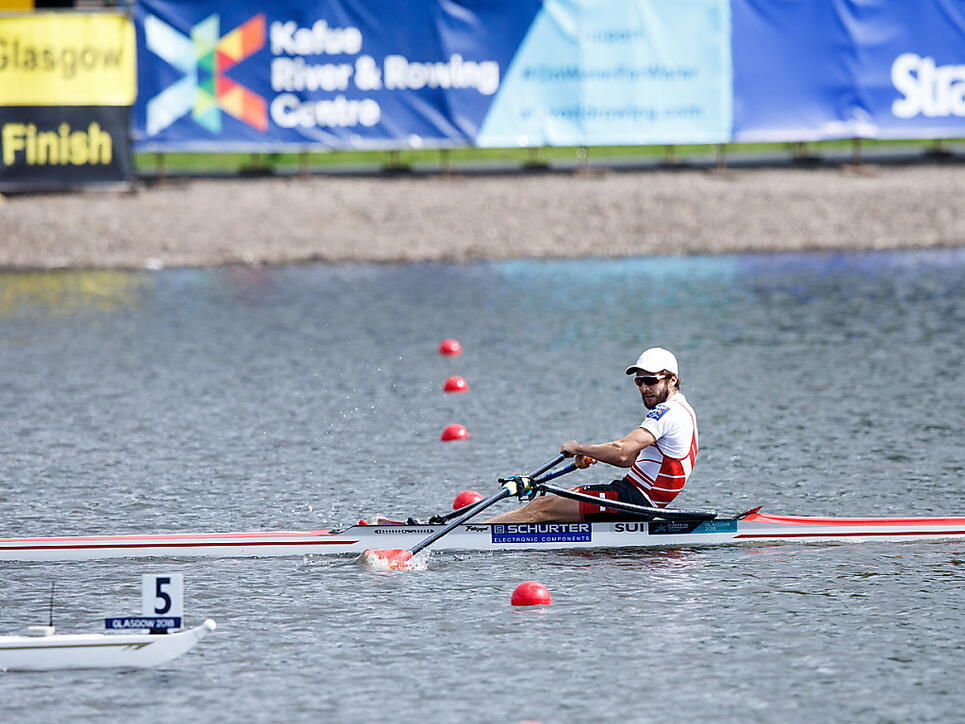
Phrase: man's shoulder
[676,407]
[658,411]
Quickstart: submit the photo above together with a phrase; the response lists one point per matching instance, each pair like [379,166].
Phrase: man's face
[654,387]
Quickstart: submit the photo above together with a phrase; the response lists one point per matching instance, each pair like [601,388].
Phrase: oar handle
[551,464]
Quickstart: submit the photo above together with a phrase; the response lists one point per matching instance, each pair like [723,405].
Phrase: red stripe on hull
[173,536]
[801,520]
[180,545]
[832,534]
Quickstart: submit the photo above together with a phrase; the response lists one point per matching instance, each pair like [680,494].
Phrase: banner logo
[542,533]
[204,58]
[934,91]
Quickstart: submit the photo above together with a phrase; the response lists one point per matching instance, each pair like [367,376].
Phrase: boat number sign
[162,604]
[162,594]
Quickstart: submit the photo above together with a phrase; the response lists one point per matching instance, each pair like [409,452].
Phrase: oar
[555,474]
[641,510]
[440,519]
[548,466]
[398,558]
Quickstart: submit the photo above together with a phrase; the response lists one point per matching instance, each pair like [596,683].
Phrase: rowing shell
[96,651]
[750,527]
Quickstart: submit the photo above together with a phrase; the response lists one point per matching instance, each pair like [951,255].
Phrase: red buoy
[450,347]
[466,497]
[455,384]
[531,593]
[454,432]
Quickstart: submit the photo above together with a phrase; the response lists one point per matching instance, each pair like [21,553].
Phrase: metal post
[855,151]
[937,150]
[303,164]
[159,175]
[721,156]
[533,161]
[583,153]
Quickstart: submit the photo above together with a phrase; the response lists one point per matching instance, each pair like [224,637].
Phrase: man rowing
[660,453]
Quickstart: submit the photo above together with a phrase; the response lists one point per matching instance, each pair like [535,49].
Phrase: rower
[660,453]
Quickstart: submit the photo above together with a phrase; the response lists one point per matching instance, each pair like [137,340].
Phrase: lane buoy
[454,432]
[531,593]
[450,347]
[455,384]
[466,497]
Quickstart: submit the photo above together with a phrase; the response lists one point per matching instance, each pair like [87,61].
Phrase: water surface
[306,397]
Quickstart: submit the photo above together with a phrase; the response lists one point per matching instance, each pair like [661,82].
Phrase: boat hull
[97,651]
[755,528]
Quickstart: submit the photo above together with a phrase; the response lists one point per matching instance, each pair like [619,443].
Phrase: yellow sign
[6,5]
[92,145]
[58,59]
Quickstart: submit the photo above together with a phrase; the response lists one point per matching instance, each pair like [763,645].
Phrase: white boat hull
[753,528]
[97,651]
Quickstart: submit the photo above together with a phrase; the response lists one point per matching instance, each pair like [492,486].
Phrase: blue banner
[617,73]
[142,622]
[369,74]
[249,75]
[808,70]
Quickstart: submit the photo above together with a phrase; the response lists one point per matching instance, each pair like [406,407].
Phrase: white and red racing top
[661,470]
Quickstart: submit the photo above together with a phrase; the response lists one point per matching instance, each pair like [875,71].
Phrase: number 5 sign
[162,594]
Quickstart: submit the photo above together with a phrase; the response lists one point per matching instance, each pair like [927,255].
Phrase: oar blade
[394,559]
[403,560]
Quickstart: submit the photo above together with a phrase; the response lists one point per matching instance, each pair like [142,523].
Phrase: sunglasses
[648,380]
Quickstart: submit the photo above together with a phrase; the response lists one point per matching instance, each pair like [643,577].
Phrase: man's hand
[583,462]
[571,448]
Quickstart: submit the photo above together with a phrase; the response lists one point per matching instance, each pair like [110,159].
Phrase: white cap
[655,360]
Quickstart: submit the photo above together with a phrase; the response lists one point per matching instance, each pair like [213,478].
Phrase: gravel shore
[461,218]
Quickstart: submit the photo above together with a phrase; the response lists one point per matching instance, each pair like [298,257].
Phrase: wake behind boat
[752,527]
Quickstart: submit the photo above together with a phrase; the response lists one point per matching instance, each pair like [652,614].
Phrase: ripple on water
[308,397]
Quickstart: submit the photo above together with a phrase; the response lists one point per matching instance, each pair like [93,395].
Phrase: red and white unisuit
[662,469]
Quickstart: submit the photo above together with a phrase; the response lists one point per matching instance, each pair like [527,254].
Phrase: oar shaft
[641,510]
[551,464]
[555,474]
[436,520]
[504,492]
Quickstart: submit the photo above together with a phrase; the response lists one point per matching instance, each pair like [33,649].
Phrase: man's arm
[622,453]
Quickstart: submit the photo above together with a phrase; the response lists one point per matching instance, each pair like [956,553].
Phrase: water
[303,397]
